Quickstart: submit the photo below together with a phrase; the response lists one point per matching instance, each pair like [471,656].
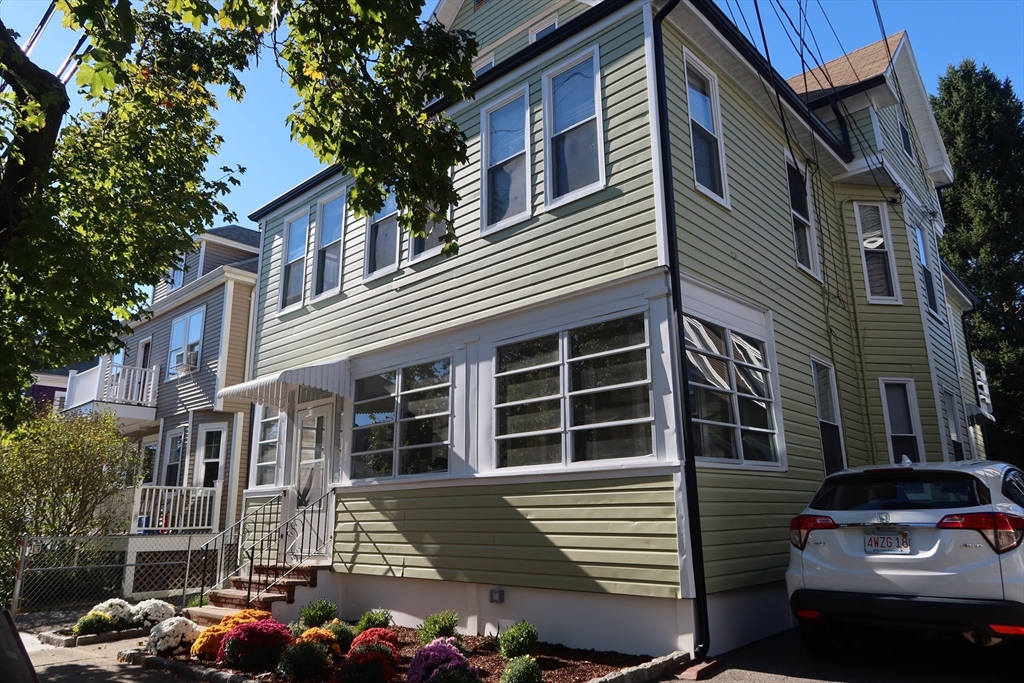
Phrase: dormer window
[177,275]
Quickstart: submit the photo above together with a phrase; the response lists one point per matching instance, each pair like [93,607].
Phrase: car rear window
[901,491]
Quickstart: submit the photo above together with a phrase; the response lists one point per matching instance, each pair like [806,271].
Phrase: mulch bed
[560,664]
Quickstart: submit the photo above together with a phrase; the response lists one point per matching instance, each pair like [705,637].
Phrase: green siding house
[674,310]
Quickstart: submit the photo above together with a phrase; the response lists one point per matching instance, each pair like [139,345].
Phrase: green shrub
[296,628]
[518,640]
[343,633]
[522,670]
[198,601]
[317,613]
[375,618]
[91,623]
[440,625]
[305,660]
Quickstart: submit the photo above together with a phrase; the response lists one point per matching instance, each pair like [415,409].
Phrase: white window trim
[138,351]
[812,226]
[281,308]
[340,194]
[199,472]
[481,62]
[883,211]
[915,414]
[386,270]
[835,400]
[182,462]
[690,59]
[176,279]
[541,25]
[550,201]
[489,465]
[508,221]
[922,240]
[199,352]
[282,429]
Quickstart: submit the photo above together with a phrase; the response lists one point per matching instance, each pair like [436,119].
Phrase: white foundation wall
[624,623]
[741,616]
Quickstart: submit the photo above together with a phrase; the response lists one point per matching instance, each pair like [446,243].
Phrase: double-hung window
[803,232]
[432,243]
[401,421]
[211,455]
[177,275]
[876,248]
[827,398]
[382,239]
[731,398]
[329,230]
[705,129]
[908,144]
[902,423]
[267,447]
[186,343]
[573,127]
[926,271]
[506,160]
[172,465]
[293,273]
[577,395]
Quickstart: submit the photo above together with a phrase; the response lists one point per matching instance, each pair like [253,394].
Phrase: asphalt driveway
[876,657]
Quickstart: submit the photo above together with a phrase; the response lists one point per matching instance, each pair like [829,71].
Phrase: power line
[33,38]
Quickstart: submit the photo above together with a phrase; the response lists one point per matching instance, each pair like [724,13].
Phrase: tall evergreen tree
[982,125]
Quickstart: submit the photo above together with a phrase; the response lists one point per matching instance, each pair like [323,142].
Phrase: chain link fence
[77,572]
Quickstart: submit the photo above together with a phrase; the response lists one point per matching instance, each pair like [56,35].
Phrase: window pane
[572,93]
[292,287]
[758,446]
[606,371]
[507,131]
[526,385]
[802,237]
[575,159]
[423,460]
[871,227]
[708,370]
[390,207]
[823,391]
[905,445]
[707,166]
[296,239]
[614,334]
[528,353]
[426,375]
[211,472]
[706,404]
[622,441]
[311,439]
[265,475]
[755,413]
[831,447]
[750,381]
[699,91]
[211,447]
[267,453]
[748,350]
[332,217]
[178,335]
[375,438]
[898,403]
[530,417]
[611,406]
[543,449]
[375,386]
[425,403]
[429,430]
[705,336]
[328,268]
[374,412]
[195,327]
[435,238]
[712,441]
[372,465]
[506,189]
[922,250]
[879,279]
[383,244]
[797,191]
[544,31]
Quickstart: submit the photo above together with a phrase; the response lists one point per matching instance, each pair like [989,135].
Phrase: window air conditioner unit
[186,361]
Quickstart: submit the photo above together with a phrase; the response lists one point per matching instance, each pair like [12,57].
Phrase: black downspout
[702,636]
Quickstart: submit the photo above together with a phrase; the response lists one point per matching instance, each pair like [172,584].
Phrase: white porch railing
[177,509]
[113,383]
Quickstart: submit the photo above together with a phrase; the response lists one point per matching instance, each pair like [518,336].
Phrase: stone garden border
[648,671]
[57,640]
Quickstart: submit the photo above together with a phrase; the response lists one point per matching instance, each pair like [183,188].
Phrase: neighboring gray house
[163,386]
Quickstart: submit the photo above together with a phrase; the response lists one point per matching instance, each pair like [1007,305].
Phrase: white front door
[313,443]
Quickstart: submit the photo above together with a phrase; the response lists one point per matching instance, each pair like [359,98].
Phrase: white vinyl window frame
[278,443]
[169,439]
[906,137]
[897,298]
[930,297]
[176,277]
[372,220]
[317,247]
[818,360]
[416,257]
[550,201]
[915,415]
[199,472]
[543,27]
[186,317]
[814,268]
[286,264]
[690,60]
[483,64]
[522,92]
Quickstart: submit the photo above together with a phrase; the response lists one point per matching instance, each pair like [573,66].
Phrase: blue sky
[941,32]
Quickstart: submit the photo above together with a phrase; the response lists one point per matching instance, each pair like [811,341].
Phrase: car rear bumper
[945,614]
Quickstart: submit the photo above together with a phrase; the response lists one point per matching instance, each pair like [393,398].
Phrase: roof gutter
[702,631]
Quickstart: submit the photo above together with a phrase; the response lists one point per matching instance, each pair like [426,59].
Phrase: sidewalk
[88,663]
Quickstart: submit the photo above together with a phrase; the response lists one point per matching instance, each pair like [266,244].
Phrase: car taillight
[1002,531]
[801,527]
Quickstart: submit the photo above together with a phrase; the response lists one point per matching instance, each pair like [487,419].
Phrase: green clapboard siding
[607,536]
[502,26]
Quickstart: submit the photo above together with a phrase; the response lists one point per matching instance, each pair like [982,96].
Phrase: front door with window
[313,442]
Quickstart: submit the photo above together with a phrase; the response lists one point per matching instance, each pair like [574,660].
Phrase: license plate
[887,542]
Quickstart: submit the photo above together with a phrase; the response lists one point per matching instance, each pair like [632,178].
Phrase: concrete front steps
[225,601]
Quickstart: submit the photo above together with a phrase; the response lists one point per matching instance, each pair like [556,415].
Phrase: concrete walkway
[88,663]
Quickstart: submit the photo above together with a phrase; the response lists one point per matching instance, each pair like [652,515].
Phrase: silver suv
[926,546]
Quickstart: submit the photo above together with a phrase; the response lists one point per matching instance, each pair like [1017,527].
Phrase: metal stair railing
[309,523]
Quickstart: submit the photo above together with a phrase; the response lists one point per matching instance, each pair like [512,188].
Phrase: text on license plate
[887,542]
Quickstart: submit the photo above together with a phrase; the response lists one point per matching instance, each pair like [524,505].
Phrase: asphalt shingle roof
[856,67]
[236,233]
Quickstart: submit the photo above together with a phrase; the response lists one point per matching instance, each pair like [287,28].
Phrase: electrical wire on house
[70,65]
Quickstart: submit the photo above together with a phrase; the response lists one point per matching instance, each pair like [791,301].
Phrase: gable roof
[864,64]
[236,233]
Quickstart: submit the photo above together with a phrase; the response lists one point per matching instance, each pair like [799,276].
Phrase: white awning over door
[272,389]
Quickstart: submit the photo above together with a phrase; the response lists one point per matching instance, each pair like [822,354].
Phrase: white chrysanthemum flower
[152,612]
[173,635]
[119,611]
